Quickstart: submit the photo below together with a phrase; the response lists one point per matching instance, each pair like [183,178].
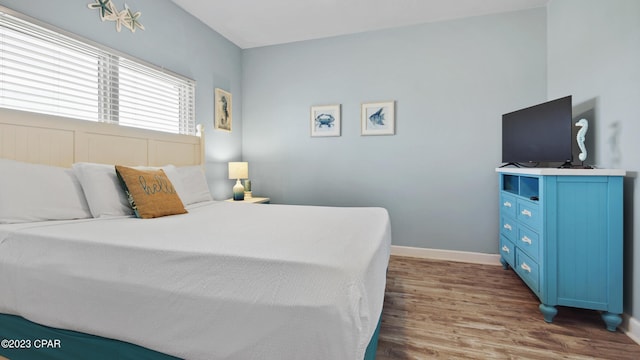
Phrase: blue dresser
[561,231]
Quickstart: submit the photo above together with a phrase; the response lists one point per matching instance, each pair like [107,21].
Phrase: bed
[221,281]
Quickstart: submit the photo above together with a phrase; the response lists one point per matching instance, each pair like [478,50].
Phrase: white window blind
[45,71]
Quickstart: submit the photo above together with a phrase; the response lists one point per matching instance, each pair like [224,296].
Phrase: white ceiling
[254,23]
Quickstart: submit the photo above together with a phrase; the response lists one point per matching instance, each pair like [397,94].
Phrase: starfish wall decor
[126,17]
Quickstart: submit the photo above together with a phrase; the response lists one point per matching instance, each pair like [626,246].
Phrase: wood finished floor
[437,309]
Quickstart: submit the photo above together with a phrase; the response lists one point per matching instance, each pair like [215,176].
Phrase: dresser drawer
[528,212]
[508,204]
[528,270]
[508,227]
[529,242]
[507,251]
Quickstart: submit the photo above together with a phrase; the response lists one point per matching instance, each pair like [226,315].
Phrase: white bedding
[226,281]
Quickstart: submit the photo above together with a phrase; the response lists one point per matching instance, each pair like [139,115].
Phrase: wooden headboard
[53,140]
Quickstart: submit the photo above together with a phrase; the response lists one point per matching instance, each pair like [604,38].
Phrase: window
[46,71]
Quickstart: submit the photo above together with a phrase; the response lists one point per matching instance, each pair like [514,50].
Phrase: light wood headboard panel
[53,140]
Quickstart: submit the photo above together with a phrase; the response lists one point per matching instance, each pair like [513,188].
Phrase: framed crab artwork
[325,120]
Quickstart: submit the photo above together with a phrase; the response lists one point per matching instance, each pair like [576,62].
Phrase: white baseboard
[450,255]
[630,325]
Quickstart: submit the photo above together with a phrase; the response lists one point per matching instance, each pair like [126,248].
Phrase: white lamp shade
[238,170]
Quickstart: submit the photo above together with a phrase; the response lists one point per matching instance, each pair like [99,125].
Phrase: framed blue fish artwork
[325,120]
[378,118]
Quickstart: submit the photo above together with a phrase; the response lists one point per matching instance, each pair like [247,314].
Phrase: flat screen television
[540,133]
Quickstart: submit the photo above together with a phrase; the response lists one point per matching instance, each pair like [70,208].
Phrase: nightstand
[251,200]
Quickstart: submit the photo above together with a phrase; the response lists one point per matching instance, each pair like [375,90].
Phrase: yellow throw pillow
[150,192]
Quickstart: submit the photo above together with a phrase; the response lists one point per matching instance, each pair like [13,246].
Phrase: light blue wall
[594,54]
[451,81]
[174,40]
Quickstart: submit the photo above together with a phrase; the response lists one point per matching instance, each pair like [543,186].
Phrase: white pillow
[190,183]
[102,189]
[34,192]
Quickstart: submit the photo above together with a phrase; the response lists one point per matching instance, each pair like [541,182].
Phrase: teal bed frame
[75,345]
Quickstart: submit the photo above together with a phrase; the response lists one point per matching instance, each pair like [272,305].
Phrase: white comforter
[226,281]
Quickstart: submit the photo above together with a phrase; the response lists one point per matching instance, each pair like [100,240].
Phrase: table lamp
[238,170]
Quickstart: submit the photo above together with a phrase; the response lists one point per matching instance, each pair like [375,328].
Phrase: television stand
[561,232]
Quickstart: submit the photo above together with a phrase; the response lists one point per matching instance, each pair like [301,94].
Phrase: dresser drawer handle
[507,226]
[506,204]
[525,267]
[525,239]
[505,248]
[526,212]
